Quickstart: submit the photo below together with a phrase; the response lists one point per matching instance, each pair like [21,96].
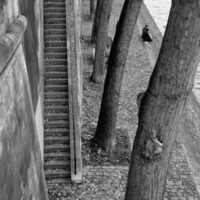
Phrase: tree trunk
[170,84]
[100,47]
[92,8]
[105,132]
[96,21]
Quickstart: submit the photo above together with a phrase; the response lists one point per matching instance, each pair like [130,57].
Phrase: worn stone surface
[33,41]
[10,40]
[33,44]
[9,10]
[21,174]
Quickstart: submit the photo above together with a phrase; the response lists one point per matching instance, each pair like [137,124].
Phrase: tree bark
[92,8]
[96,21]
[162,104]
[105,132]
[99,65]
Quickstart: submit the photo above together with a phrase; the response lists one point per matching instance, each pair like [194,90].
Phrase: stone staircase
[56,105]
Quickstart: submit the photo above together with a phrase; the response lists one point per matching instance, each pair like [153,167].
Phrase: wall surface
[9,10]
[33,44]
[33,47]
[21,167]
[33,38]
[21,174]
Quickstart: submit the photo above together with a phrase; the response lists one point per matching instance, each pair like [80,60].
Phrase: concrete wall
[21,168]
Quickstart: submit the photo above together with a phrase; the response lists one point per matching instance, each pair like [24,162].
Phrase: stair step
[57,174]
[55,55]
[55,9]
[56,102]
[56,74]
[56,124]
[57,68]
[55,95]
[47,1]
[55,32]
[57,165]
[56,116]
[55,49]
[54,15]
[54,1]
[56,148]
[54,26]
[58,88]
[55,44]
[55,38]
[56,62]
[57,156]
[56,132]
[55,20]
[63,109]
[56,140]
[54,81]
[54,4]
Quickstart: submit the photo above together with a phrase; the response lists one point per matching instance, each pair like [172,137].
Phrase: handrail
[11,40]
[73,91]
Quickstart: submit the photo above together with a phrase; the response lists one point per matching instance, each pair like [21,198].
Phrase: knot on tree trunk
[152,149]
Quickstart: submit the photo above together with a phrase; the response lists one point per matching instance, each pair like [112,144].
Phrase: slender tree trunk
[92,8]
[99,65]
[105,132]
[161,107]
[96,21]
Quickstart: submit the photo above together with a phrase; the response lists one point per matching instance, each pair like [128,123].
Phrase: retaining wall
[21,168]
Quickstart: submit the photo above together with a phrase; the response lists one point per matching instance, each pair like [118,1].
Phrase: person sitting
[146,36]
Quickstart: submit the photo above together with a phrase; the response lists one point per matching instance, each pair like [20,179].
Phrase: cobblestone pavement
[109,182]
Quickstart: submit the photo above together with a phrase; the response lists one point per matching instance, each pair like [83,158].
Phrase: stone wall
[33,39]
[33,44]
[9,10]
[21,168]
[33,48]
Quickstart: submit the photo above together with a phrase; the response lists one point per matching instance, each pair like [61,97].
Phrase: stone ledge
[11,39]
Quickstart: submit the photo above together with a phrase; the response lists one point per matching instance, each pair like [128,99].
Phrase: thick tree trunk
[105,132]
[92,8]
[170,84]
[96,21]
[100,47]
